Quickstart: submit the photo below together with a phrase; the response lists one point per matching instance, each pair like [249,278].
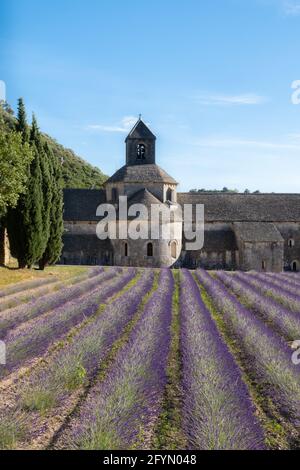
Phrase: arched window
[295,266]
[170,195]
[140,151]
[149,249]
[291,242]
[173,250]
[114,194]
[263,265]
[125,249]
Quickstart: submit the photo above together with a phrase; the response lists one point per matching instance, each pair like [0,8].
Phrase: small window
[173,250]
[170,195]
[291,242]
[294,266]
[263,265]
[140,151]
[126,249]
[149,249]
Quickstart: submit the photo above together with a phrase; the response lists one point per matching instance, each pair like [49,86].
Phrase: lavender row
[34,339]
[80,360]
[217,410]
[120,412]
[291,301]
[22,297]
[295,276]
[268,354]
[286,279]
[11,318]
[22,286]
[27,285]
[282,284]
[30,294]
[285,320]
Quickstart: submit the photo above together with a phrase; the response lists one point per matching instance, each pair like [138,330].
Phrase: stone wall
[261,256]
[220,250]
[290,231]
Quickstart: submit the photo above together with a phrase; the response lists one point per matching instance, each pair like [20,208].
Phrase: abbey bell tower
[140,145]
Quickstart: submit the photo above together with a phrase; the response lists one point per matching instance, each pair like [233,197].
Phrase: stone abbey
[242,231]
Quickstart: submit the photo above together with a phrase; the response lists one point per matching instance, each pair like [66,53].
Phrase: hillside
[77,173]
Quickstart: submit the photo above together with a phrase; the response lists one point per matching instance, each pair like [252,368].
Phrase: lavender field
[130,358]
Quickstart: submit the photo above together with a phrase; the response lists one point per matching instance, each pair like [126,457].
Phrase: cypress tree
[26,223]
[46,181]
[15,217]
[33,213]
[15,229]
[21,125]
[54,245]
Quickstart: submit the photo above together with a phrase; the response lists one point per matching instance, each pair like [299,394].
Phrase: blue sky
[212,79]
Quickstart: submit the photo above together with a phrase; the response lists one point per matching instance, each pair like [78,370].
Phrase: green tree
[54,245]
[33,213]
[25,223]
[21,125]
[46,179]
[15,158]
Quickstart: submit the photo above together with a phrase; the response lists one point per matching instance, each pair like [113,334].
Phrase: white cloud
[230,100]
[245,143]
[125,125]
[291,8]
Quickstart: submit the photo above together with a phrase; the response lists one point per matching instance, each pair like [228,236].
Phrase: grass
[38,398]
[11,430]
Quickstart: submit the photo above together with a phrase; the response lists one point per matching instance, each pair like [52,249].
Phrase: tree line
[31,195]
[224,190]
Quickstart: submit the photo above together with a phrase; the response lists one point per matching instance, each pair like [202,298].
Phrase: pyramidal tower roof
[140,131]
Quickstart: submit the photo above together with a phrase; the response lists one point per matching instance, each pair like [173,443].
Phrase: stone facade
[242,231]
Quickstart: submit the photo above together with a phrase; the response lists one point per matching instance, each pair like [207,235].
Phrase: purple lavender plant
[267,353]
[217,410]
[88,348]
[33,339]
[286,298]
[272,280]
[284,320]
[22,286]
[120,412]
[12,318]
[285,279]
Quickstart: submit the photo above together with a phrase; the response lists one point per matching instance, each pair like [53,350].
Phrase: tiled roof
[257,232]
[141,174]
[219,240]
[224,207]
[81,204]
[140,131]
